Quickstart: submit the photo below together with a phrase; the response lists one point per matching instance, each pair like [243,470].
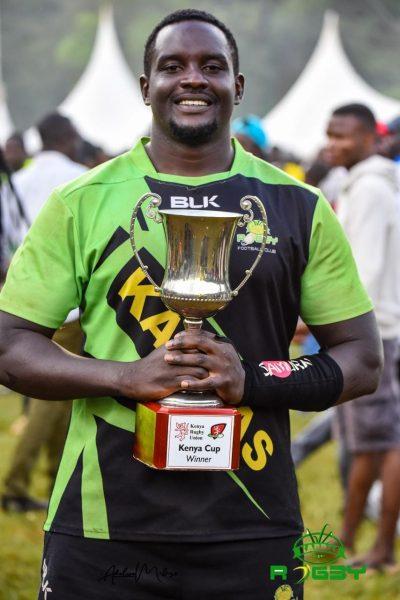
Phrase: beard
[193,136]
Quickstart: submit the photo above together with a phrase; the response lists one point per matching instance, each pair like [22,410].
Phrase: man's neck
[362,157]
[169,156]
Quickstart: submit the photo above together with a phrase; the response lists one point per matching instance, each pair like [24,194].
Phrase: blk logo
[190,202]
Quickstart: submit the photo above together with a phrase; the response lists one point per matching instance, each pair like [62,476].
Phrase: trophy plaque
[193,430]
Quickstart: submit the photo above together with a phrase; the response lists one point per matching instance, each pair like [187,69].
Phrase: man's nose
[194,77]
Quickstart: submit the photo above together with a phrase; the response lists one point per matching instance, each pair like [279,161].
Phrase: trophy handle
[246,204]
[151,213]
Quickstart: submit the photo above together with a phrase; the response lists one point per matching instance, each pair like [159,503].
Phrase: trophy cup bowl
[196,286]
[196,281]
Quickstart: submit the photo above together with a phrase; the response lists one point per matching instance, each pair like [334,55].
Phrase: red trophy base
[182,438]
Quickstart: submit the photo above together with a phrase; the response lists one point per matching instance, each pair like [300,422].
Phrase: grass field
[21,536]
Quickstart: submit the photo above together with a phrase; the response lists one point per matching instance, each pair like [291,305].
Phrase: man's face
[14,154]
[349,141]
[192,87]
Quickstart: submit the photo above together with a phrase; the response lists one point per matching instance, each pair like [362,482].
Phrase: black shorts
[75,568]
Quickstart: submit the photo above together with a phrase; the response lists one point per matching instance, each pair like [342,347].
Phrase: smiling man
[115,528]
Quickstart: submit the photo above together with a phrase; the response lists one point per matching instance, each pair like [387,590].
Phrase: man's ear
[239,88]
[144,87]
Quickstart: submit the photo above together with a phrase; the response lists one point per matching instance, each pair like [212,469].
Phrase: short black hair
[189,14]
[55,128]
[361,112]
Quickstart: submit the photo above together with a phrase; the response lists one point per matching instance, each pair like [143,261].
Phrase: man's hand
[32,364]
[152,378]
[225,372]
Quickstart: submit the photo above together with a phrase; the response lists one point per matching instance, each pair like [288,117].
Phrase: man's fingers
[190,341]
[209,334]
[194,359]
[196,372]
[210,383]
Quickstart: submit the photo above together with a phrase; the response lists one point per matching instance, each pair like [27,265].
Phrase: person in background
[249,131]
[15,153]
[47,420]
[91,156]
[368,210]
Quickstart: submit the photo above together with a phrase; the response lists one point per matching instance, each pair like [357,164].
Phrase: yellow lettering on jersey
[139,292]
[133,288]
[256,458]
[161,335]
[247,415]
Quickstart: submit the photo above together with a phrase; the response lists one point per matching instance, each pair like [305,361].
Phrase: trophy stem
[192,399]
[191,323]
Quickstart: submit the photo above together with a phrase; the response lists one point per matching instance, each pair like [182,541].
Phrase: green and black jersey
[78,253]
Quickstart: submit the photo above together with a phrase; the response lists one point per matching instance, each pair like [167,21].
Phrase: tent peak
[106,104]
[328,80]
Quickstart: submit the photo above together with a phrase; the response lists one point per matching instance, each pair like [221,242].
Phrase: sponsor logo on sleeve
[284,368]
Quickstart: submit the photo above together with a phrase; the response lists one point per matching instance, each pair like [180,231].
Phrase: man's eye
[170,68]
[212,68]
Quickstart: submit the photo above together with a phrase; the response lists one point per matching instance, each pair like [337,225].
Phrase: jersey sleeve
[46,276]
[331,289]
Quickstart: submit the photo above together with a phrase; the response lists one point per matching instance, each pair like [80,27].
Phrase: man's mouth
[192,103]
[195,105]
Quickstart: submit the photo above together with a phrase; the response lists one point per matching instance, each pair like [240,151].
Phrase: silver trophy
[196,279]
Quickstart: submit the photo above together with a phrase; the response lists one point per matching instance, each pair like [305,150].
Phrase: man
[370,426]
[112,520]
[15,152]
[47,421]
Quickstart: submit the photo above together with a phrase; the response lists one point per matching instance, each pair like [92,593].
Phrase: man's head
[14,152]
[351,135]
[58,133]
[191,77]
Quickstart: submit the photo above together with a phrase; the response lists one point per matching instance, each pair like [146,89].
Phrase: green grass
[321,499]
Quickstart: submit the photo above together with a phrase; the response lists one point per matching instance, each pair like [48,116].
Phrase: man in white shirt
[54,165]
[368,209]
[48,420]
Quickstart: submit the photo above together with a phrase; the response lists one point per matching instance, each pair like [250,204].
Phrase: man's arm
[353,344]
[32,364]
[356,347]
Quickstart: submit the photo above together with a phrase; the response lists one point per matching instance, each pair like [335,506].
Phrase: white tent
[6,125]
[298,121]
[106,105]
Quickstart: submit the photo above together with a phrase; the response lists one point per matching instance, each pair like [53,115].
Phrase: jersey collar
[142,162]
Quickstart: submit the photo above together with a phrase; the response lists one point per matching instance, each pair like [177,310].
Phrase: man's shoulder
[49,167]
[372,181]
[114,171]
[373,169]
[269,173]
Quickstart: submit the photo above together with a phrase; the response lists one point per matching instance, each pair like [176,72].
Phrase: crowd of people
[358,171]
